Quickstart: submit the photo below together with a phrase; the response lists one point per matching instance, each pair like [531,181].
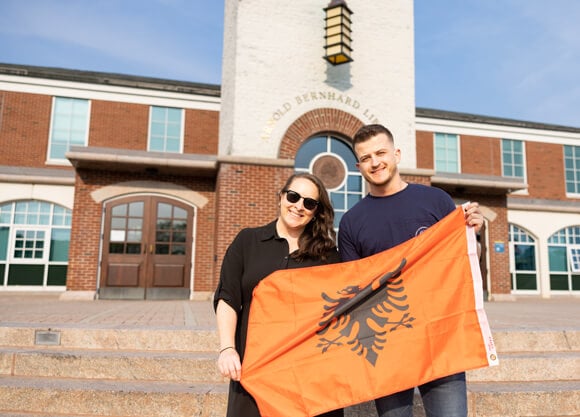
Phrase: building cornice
[46,176]
[535,204]
[111,79]
[466,183]
[247,160]
[421,112]
[145,162]
[467,124]
[111,87]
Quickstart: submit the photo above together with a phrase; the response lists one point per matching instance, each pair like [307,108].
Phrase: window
[166,129]
[572,168]
[512,158]
[332,160]
[69,126]
[574,255]
[34,243]
[523,272]
[127,228]
[446,152]
[562,252]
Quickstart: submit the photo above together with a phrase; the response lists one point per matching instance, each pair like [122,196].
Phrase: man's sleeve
[346,244]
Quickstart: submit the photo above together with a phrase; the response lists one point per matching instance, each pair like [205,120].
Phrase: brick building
[117,186]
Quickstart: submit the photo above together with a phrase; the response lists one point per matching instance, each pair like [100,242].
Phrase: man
[393,212]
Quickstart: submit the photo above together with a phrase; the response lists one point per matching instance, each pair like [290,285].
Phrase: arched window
[564,255]
[34,243]
[333,161]
[523,268]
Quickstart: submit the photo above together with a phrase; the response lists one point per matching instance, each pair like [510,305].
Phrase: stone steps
[123,372]
[53,396]
[536,398]
[200,366]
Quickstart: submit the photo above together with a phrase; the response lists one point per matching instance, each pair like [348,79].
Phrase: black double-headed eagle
[364,316]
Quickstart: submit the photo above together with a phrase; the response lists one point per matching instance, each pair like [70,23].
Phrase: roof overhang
[476,184]
[123,160]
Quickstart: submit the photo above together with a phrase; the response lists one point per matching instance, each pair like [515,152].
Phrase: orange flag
[326,337]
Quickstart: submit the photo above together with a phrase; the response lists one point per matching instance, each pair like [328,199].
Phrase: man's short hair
[369,131]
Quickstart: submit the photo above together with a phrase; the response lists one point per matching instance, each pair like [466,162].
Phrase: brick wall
[497,232]
[119,125]
[247,196]
[480,155]
[314,122]
[425,157]
[24,129]
[545,170]
[126,126]
[201,132]
[416,179]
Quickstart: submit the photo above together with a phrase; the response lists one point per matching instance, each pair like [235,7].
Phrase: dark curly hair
[318,237]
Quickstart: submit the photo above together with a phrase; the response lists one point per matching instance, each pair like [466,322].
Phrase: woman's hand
[229,363]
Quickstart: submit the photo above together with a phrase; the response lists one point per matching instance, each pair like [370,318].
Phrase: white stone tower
[274,72]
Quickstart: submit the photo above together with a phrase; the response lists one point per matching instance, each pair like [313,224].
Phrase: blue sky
[517,59]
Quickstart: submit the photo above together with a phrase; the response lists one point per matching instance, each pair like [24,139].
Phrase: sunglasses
[294,197]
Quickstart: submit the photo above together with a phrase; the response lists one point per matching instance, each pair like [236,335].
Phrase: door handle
[151,249]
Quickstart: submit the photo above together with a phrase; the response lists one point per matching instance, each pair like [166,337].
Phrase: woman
[301,236]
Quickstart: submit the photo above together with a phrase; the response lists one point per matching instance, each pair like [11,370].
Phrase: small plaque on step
[47,337]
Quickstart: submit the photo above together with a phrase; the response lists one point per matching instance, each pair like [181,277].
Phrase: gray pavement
[47,309]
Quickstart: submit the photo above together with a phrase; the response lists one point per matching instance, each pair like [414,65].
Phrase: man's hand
[473,216]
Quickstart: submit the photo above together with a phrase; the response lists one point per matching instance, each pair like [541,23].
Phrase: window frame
[27,218]
[524,176]
[346,191]
[447,136]
[563,239]
[575,161]
[165,137]
[512,154]
[64,161]
[530,240]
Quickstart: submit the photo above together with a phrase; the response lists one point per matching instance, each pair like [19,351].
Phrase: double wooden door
[147,249]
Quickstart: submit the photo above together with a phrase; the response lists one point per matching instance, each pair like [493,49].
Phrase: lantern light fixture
[337,36]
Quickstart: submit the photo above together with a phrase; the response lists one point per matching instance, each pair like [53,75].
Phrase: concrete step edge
[527,386]
[111,365]
[111,386]
[115,353]
[26,396]
[120,339]
[201,366]
[207,339]
[556,366]
[536,340]
[111,398]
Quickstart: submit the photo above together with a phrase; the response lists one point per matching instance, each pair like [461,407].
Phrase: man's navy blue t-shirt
[376,224]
